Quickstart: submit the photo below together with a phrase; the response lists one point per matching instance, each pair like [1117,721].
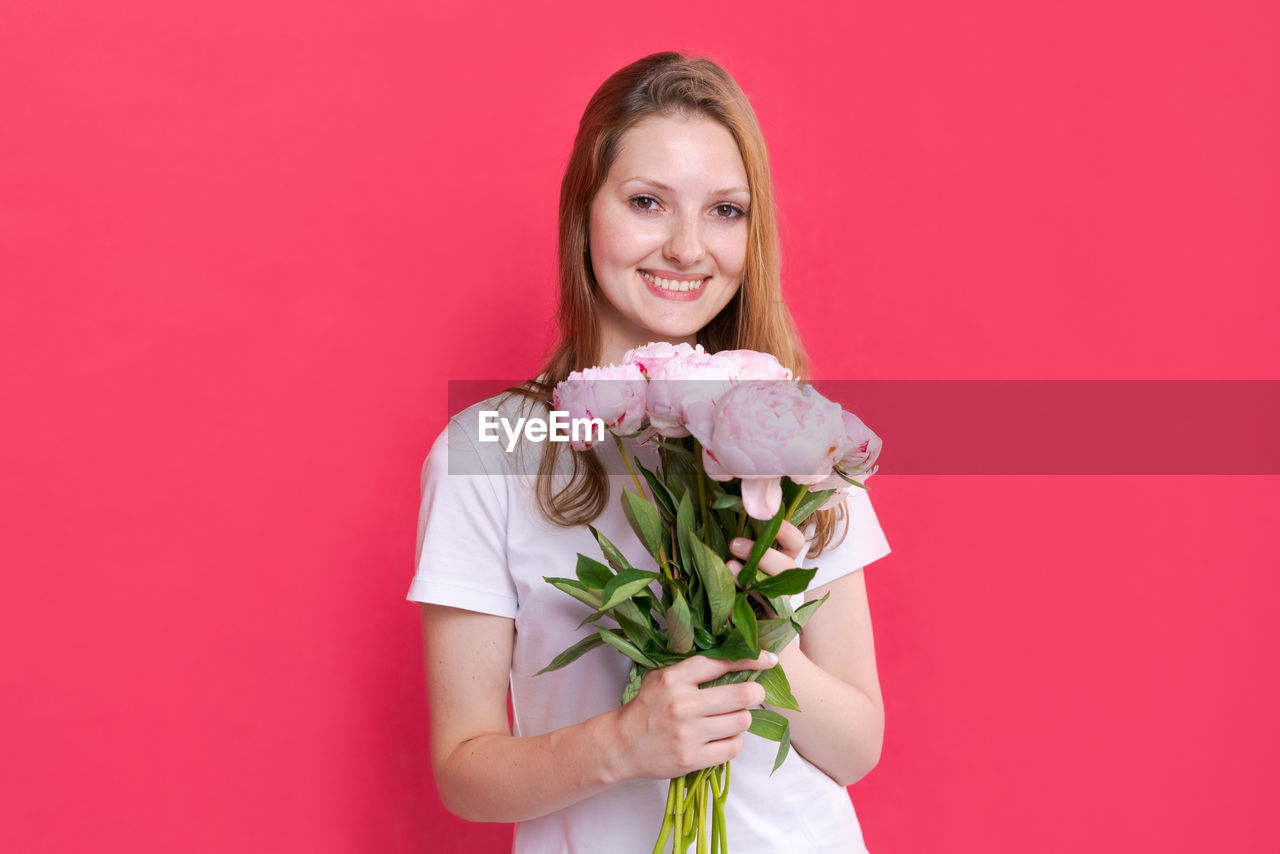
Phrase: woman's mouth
[676,289]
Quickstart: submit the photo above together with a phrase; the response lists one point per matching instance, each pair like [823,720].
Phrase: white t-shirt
[484,545]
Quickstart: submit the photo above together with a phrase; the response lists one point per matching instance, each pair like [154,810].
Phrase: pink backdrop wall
[244,246]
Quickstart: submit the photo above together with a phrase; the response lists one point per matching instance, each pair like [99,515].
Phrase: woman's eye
[645,203]
[727,211]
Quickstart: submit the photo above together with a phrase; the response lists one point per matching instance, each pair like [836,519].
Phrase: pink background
[244,246]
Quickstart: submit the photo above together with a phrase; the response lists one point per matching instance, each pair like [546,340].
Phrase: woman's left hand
[782,556]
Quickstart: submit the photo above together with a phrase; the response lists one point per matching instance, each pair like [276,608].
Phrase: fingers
[790,540]
[698,668]
[780,557]
[718,752]
[771,563]
[723,699]
[727,725]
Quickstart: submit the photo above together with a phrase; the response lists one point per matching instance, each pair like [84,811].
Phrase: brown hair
[756,318]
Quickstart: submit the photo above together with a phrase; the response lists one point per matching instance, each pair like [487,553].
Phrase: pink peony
[683,392]
[655,353]
[751,365]
[613,393]
[762,431]
[860,450]
[858,454]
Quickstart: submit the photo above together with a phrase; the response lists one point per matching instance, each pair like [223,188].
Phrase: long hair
[756,318]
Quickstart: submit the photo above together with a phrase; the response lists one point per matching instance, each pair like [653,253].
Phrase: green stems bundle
[693,605]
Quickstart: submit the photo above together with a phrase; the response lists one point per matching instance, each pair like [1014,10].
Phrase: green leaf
[776,634]
[590,642]
[644,521]
[592,617]
[624,585]
[676,448]
[781,605]
[767,723]
[745,621]
[762,544]
[777,689]
[635,624]
[789,582]
[775,727]
[593,573]
[810,503]
[732,647]
[616,558]
[626,647]
[577,590]
[728,502]
[679,625]
[703,638]
[681,474]
[805,611]
[660,490]
[730,650]
[784,747]
[714,535]
[684,532]
[717,580]
[733,677]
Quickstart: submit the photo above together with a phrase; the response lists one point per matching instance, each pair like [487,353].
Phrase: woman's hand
[832,670]
[781,557]
[673,727]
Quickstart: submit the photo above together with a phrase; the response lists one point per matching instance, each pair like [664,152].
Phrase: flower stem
[791,511]
[622,451]
[678,845]
[702,816]
[668,820]
[626,459]
[702,489]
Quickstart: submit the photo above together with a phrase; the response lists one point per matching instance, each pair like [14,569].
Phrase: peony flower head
[655,353]
[751,365]
[857,462]
[614,393]
[683,392]
[762,431]
[860,450]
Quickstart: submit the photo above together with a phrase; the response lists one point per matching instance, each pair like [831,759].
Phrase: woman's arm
[833,676]
[484,773]
[840,727]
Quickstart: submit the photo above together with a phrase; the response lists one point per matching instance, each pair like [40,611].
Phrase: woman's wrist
[604,746]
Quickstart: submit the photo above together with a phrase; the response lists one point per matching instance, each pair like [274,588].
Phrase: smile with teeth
[670,285]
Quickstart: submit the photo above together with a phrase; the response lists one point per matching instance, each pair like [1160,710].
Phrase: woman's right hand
[673,727]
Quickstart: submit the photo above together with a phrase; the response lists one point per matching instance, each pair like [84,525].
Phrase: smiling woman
[668,232]
[667,235]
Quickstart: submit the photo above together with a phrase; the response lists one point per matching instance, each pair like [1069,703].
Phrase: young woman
[667,233]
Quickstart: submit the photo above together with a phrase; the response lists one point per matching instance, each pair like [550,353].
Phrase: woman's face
[668,232]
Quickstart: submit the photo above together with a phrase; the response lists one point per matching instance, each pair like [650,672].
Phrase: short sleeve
[462,531]
[865,542]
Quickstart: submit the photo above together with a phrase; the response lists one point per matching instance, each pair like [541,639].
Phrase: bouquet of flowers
[740,443]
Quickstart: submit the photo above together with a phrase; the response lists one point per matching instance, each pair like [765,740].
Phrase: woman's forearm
[507,778]
[839,728]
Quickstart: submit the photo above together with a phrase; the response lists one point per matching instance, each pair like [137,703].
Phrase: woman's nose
[684,245]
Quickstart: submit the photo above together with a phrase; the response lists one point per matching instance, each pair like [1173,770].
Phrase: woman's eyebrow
[662,186]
